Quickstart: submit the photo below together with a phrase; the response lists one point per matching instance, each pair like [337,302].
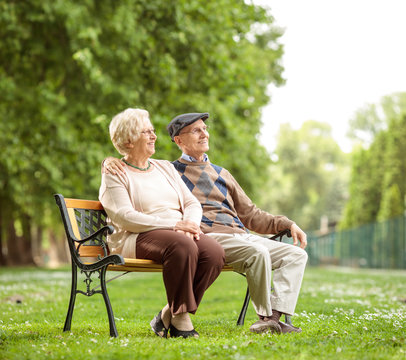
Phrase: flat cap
[180,121]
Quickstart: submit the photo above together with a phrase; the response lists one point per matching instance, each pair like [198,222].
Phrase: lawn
[344,314]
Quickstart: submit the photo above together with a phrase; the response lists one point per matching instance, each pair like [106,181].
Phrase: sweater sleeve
[251,216]
[115,198]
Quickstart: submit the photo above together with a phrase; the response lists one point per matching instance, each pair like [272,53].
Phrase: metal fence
[376,245]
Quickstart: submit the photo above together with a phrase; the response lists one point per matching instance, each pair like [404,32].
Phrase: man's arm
[261,221]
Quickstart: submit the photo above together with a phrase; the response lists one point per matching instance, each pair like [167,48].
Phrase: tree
[370,120]
[308,180]
[377,186]
[66,67]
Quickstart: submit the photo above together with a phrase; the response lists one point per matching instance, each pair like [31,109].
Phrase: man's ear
[177,140]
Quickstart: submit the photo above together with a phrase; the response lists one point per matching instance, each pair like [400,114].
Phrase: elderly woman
[156,217]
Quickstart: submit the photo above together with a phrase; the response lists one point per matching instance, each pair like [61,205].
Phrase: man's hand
[189,228]
[113,166]
[298,235]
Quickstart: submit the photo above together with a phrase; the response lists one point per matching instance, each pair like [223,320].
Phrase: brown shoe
[286,328]
[262,326]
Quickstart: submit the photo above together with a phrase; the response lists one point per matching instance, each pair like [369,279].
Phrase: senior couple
[192,216]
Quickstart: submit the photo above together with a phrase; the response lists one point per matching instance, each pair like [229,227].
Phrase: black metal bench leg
[112,323]
[241,318]
[68,320]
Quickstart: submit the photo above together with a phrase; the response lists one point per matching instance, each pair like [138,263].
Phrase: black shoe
[158,327]
[174,332]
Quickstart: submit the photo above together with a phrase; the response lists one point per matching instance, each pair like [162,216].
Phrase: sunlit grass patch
[353,314]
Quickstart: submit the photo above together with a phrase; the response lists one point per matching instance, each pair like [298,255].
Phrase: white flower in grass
[93,340]
[339,350]
[124,342]
[365,328]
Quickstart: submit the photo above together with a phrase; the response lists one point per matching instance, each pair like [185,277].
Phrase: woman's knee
[183,248]
[211,249]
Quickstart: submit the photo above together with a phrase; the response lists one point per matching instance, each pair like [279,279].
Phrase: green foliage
[66,67]
[345,314]
[308,180]
[391,204]
[377,186]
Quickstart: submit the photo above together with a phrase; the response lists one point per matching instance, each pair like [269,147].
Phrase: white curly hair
[126,128]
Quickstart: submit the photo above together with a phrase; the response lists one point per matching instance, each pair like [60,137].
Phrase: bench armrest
[109,228]
[114,259]
[280,235]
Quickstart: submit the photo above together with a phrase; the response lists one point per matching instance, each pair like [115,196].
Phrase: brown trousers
[189,267]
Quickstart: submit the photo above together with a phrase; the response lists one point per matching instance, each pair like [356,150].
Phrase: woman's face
[145,144]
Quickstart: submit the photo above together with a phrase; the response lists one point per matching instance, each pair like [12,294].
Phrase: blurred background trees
[308,179]
[377,186]
[66,67]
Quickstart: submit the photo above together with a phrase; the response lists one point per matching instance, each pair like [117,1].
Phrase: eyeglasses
[197,131]
[148,132]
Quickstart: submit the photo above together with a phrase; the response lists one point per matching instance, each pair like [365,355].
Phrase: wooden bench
[86,231]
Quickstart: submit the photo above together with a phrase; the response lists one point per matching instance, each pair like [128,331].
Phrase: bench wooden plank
[83,204]
[145,265]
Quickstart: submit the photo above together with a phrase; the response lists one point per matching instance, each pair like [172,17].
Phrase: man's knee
[299,255]
[257,255]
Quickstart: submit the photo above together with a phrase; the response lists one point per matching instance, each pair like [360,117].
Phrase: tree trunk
[2,256]
[37,251]
[26,241]
[53,250]
[13,248]
[63,249]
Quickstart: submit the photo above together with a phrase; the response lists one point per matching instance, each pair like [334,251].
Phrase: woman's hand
[113,166]
[298,235]
[189,228]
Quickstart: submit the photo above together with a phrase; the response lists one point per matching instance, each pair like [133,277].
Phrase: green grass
[344,314]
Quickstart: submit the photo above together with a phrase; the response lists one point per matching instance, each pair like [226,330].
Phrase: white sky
[339,56]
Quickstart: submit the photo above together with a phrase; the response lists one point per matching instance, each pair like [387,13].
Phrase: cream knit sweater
[120,198]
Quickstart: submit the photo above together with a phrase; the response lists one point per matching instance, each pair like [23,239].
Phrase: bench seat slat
[145,265]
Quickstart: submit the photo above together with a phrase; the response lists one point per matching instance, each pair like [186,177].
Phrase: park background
[66,67]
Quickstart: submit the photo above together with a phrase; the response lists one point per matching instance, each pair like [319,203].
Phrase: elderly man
[228,215]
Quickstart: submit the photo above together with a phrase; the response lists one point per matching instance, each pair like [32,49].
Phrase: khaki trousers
[257,256]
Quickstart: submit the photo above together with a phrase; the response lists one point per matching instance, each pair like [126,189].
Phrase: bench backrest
[82,218]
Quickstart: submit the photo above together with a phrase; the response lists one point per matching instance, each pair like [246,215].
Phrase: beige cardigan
[120,200]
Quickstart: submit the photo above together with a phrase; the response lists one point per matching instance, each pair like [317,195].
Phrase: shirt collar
[192,159]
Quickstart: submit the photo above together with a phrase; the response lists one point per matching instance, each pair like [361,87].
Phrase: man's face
[194,139]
